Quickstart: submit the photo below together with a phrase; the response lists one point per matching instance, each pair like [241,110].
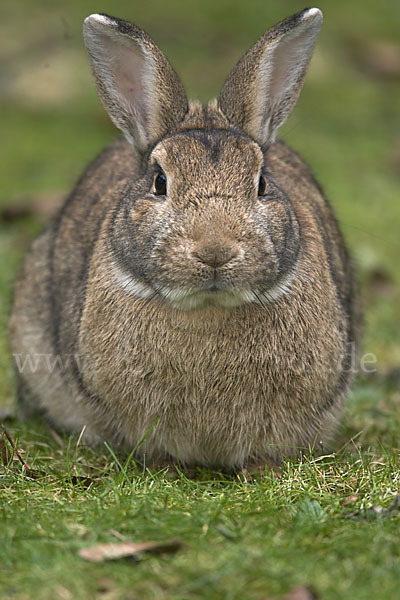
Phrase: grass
[315,524]
[321,522]
[243,539]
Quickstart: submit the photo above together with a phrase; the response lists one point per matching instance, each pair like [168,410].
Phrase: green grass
[242,539]
[252,539]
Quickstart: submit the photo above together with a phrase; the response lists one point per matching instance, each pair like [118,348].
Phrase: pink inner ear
[128,79]
[287,59]
[137,86]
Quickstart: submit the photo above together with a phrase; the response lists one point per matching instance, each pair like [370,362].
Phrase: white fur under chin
[184,300]
[131,285]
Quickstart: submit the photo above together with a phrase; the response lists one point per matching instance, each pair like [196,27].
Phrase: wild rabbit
[193,299]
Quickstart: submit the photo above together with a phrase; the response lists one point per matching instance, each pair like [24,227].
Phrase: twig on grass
[17,454]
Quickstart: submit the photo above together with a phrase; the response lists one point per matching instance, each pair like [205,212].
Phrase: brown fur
[215,324]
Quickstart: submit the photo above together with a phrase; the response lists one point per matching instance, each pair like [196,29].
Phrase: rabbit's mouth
[212,293]
[226,297]
[214,286]
[218,292]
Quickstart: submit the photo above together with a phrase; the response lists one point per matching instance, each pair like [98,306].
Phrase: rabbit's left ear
[263,88]
[138,87]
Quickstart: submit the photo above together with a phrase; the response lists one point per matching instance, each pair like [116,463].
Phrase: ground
[328,522]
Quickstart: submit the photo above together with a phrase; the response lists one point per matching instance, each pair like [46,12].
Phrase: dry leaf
[350,499]
[302,593]
[114,551]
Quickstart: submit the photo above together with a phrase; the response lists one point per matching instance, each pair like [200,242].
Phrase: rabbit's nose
[215,254]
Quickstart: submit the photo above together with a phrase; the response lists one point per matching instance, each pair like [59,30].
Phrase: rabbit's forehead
[199,151]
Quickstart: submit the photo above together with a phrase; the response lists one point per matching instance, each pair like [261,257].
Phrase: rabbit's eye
[262,185]
[160,184]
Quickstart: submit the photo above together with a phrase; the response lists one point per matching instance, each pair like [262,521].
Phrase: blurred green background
[346,124]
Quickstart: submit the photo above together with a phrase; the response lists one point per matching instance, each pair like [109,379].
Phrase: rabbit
[193,301]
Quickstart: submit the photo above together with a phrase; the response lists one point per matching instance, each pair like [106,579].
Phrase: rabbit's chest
[149,359]
[157,356]
[210,380]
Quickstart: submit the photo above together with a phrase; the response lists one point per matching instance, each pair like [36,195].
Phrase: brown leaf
[350,499]
[114,551]
[302,593]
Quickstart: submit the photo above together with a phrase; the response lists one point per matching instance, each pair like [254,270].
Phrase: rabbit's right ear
[138,87]
[263,88]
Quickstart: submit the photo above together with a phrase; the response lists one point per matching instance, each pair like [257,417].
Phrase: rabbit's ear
[138,87]
[263,88]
